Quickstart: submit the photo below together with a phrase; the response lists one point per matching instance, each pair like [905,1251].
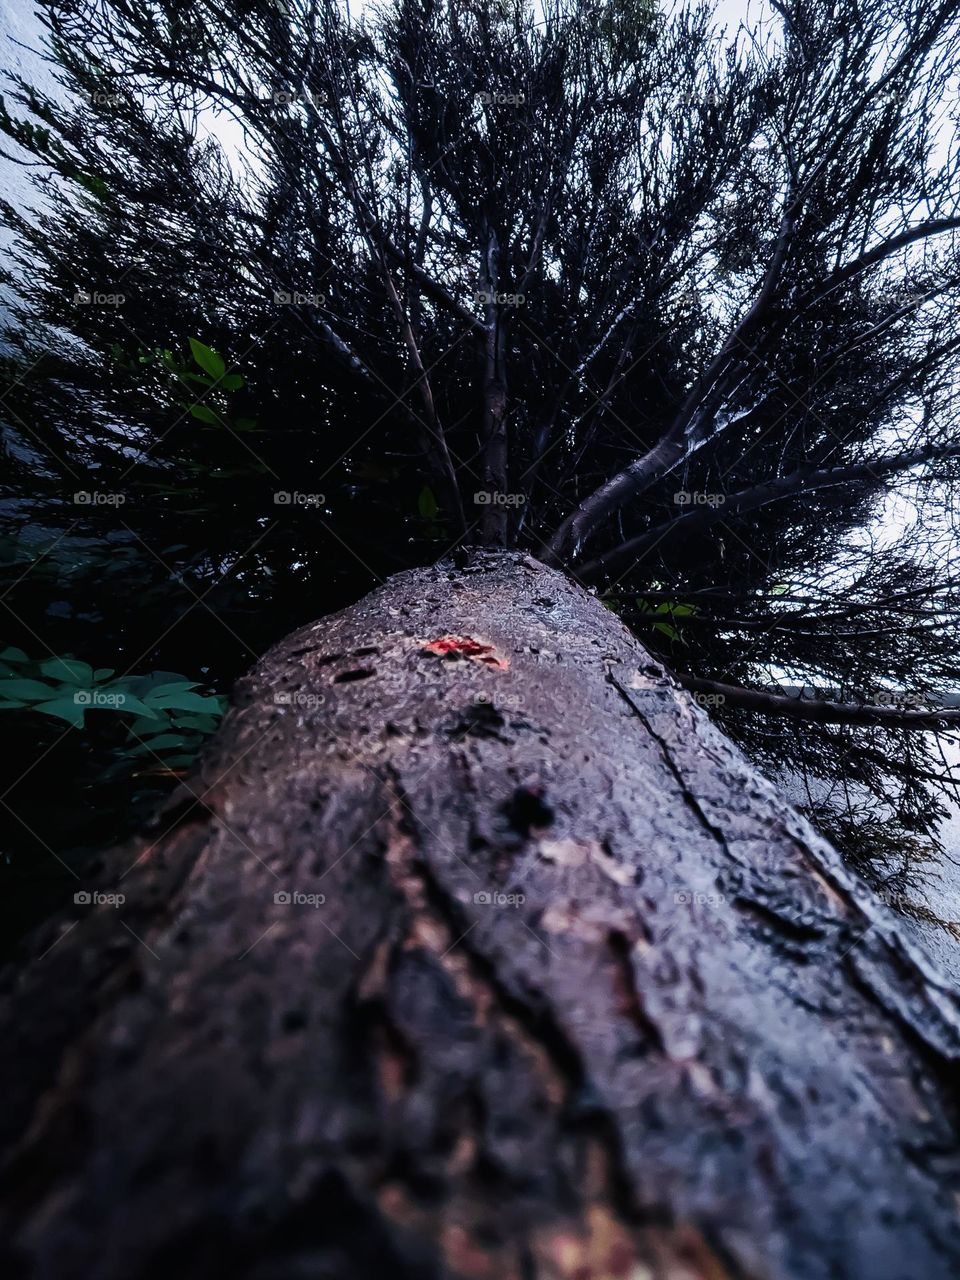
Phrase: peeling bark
[584,998]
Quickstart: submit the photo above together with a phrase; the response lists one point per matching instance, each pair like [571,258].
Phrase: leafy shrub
[166,718]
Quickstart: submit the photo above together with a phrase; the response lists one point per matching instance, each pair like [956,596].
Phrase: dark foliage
[673,307]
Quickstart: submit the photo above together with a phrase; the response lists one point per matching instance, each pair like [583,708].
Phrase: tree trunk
[486,963]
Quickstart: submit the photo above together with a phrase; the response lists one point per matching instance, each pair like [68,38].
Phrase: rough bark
[696,1048]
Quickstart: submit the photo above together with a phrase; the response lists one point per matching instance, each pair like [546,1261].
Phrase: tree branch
[686,431]
[817,710]
[803,480]
[494,520]
[885,249]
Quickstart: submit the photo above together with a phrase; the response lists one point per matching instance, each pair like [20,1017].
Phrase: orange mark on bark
[467,1258]
[466,647]
[601,1248]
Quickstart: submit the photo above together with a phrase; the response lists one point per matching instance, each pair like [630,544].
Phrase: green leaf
[170,686]
[103,673]
[233,381]
[144,726]
[132,705]
[245,424]
[142,685]
[204,414]
[427,503]
[19,690]
[63,709]
[184,702]
[162,743]
[197,723]
[69,670]
[208,360]
[12,654]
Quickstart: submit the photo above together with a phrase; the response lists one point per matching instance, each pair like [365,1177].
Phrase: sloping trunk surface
[474,950]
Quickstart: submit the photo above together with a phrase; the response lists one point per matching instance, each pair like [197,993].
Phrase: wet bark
[583,997]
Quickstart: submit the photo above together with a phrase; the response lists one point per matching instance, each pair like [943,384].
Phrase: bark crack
[689,796]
